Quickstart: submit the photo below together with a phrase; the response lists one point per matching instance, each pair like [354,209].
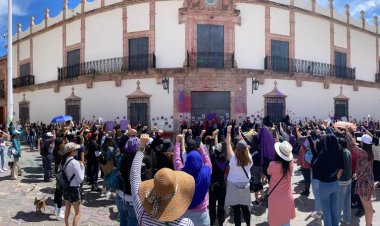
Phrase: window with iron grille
[25,69]
[341,108]
[280,55]
[275,108]
[138,57]
[73,63]
[340,64]
[138,111]
[210,46]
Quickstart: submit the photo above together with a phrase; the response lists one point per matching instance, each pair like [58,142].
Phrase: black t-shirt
[327,163]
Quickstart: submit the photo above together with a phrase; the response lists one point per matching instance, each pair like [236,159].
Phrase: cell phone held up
[198,141]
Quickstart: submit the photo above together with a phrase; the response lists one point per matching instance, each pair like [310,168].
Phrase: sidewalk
[17,197]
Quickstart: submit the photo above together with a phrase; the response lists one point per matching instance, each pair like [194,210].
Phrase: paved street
[16,205]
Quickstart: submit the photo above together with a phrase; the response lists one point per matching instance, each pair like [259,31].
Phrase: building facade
[3,91]
[163,62]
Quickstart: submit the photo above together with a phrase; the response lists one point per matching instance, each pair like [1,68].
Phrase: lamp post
[255,84]
[10,62]
[165,83]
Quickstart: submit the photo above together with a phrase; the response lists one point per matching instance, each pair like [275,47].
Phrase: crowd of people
[208,167]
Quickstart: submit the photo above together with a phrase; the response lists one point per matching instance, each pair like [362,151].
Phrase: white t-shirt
[236,173]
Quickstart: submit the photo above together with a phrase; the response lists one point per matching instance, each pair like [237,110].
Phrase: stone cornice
[187,72]
[132,2]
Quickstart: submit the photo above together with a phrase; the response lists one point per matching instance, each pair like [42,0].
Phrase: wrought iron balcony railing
[377,77]
[25,80]
[211,60]
[282,64]
[112,65]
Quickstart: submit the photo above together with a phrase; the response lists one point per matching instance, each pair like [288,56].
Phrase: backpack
[62,182]
[113,181]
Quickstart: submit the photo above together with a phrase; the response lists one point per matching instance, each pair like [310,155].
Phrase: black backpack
[62,182]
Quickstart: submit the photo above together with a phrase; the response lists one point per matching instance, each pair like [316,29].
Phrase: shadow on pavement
[95,199]
[113,215]
[8,177]
[303,204]
[33,216]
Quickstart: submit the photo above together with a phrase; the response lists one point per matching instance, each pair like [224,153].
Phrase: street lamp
[255,84]
[165,83]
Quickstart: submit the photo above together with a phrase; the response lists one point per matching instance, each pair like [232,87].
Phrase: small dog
[40,205]
[10,165]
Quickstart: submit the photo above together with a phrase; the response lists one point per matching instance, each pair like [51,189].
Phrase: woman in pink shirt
[281,208]
[198,165]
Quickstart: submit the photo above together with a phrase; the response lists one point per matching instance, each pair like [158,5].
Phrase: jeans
[198,218]
[246,214]
[2,153]
[127,213]
[328,192]
[31,142]
[306,173]
[315,188]
[285,225]
[344,202]
[47,161]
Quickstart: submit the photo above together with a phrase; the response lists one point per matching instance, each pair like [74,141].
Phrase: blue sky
[23,9]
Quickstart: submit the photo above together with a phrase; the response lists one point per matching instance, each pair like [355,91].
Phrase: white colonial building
[162,62]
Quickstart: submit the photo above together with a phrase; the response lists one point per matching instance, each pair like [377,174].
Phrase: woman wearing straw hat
[238,192]
[281,207]
[164,199]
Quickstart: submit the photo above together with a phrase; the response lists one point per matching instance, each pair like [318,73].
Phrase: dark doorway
[139,113]
[280,55]
[24,114]
[210,43]
[73,111]
[210,104]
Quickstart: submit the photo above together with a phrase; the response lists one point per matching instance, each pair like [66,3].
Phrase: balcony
[211,60]
[377,77]
[25,80]
[286,65]
[112,65]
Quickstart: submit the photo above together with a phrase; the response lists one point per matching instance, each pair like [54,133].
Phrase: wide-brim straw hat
[284,150]
[175,191]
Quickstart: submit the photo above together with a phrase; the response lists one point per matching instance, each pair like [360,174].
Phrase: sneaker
[316,215]
[1,171]
[5,169]
[360,213]
[61,215]
[256,203]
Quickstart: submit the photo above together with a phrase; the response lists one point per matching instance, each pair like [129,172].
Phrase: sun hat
[132,145]
[367,139]
[168,195]
[284,150]
[49,134]
[69,147]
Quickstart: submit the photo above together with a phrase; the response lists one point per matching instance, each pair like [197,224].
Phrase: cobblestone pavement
[16,201]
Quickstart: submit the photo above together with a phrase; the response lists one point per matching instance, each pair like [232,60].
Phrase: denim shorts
[72,194]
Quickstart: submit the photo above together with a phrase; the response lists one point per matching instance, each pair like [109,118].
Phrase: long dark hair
[368,148]
[285,165]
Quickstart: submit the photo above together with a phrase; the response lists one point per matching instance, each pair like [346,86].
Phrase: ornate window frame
[73,100]
[138,96]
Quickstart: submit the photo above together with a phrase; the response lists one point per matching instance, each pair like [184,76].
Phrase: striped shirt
[143,218]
